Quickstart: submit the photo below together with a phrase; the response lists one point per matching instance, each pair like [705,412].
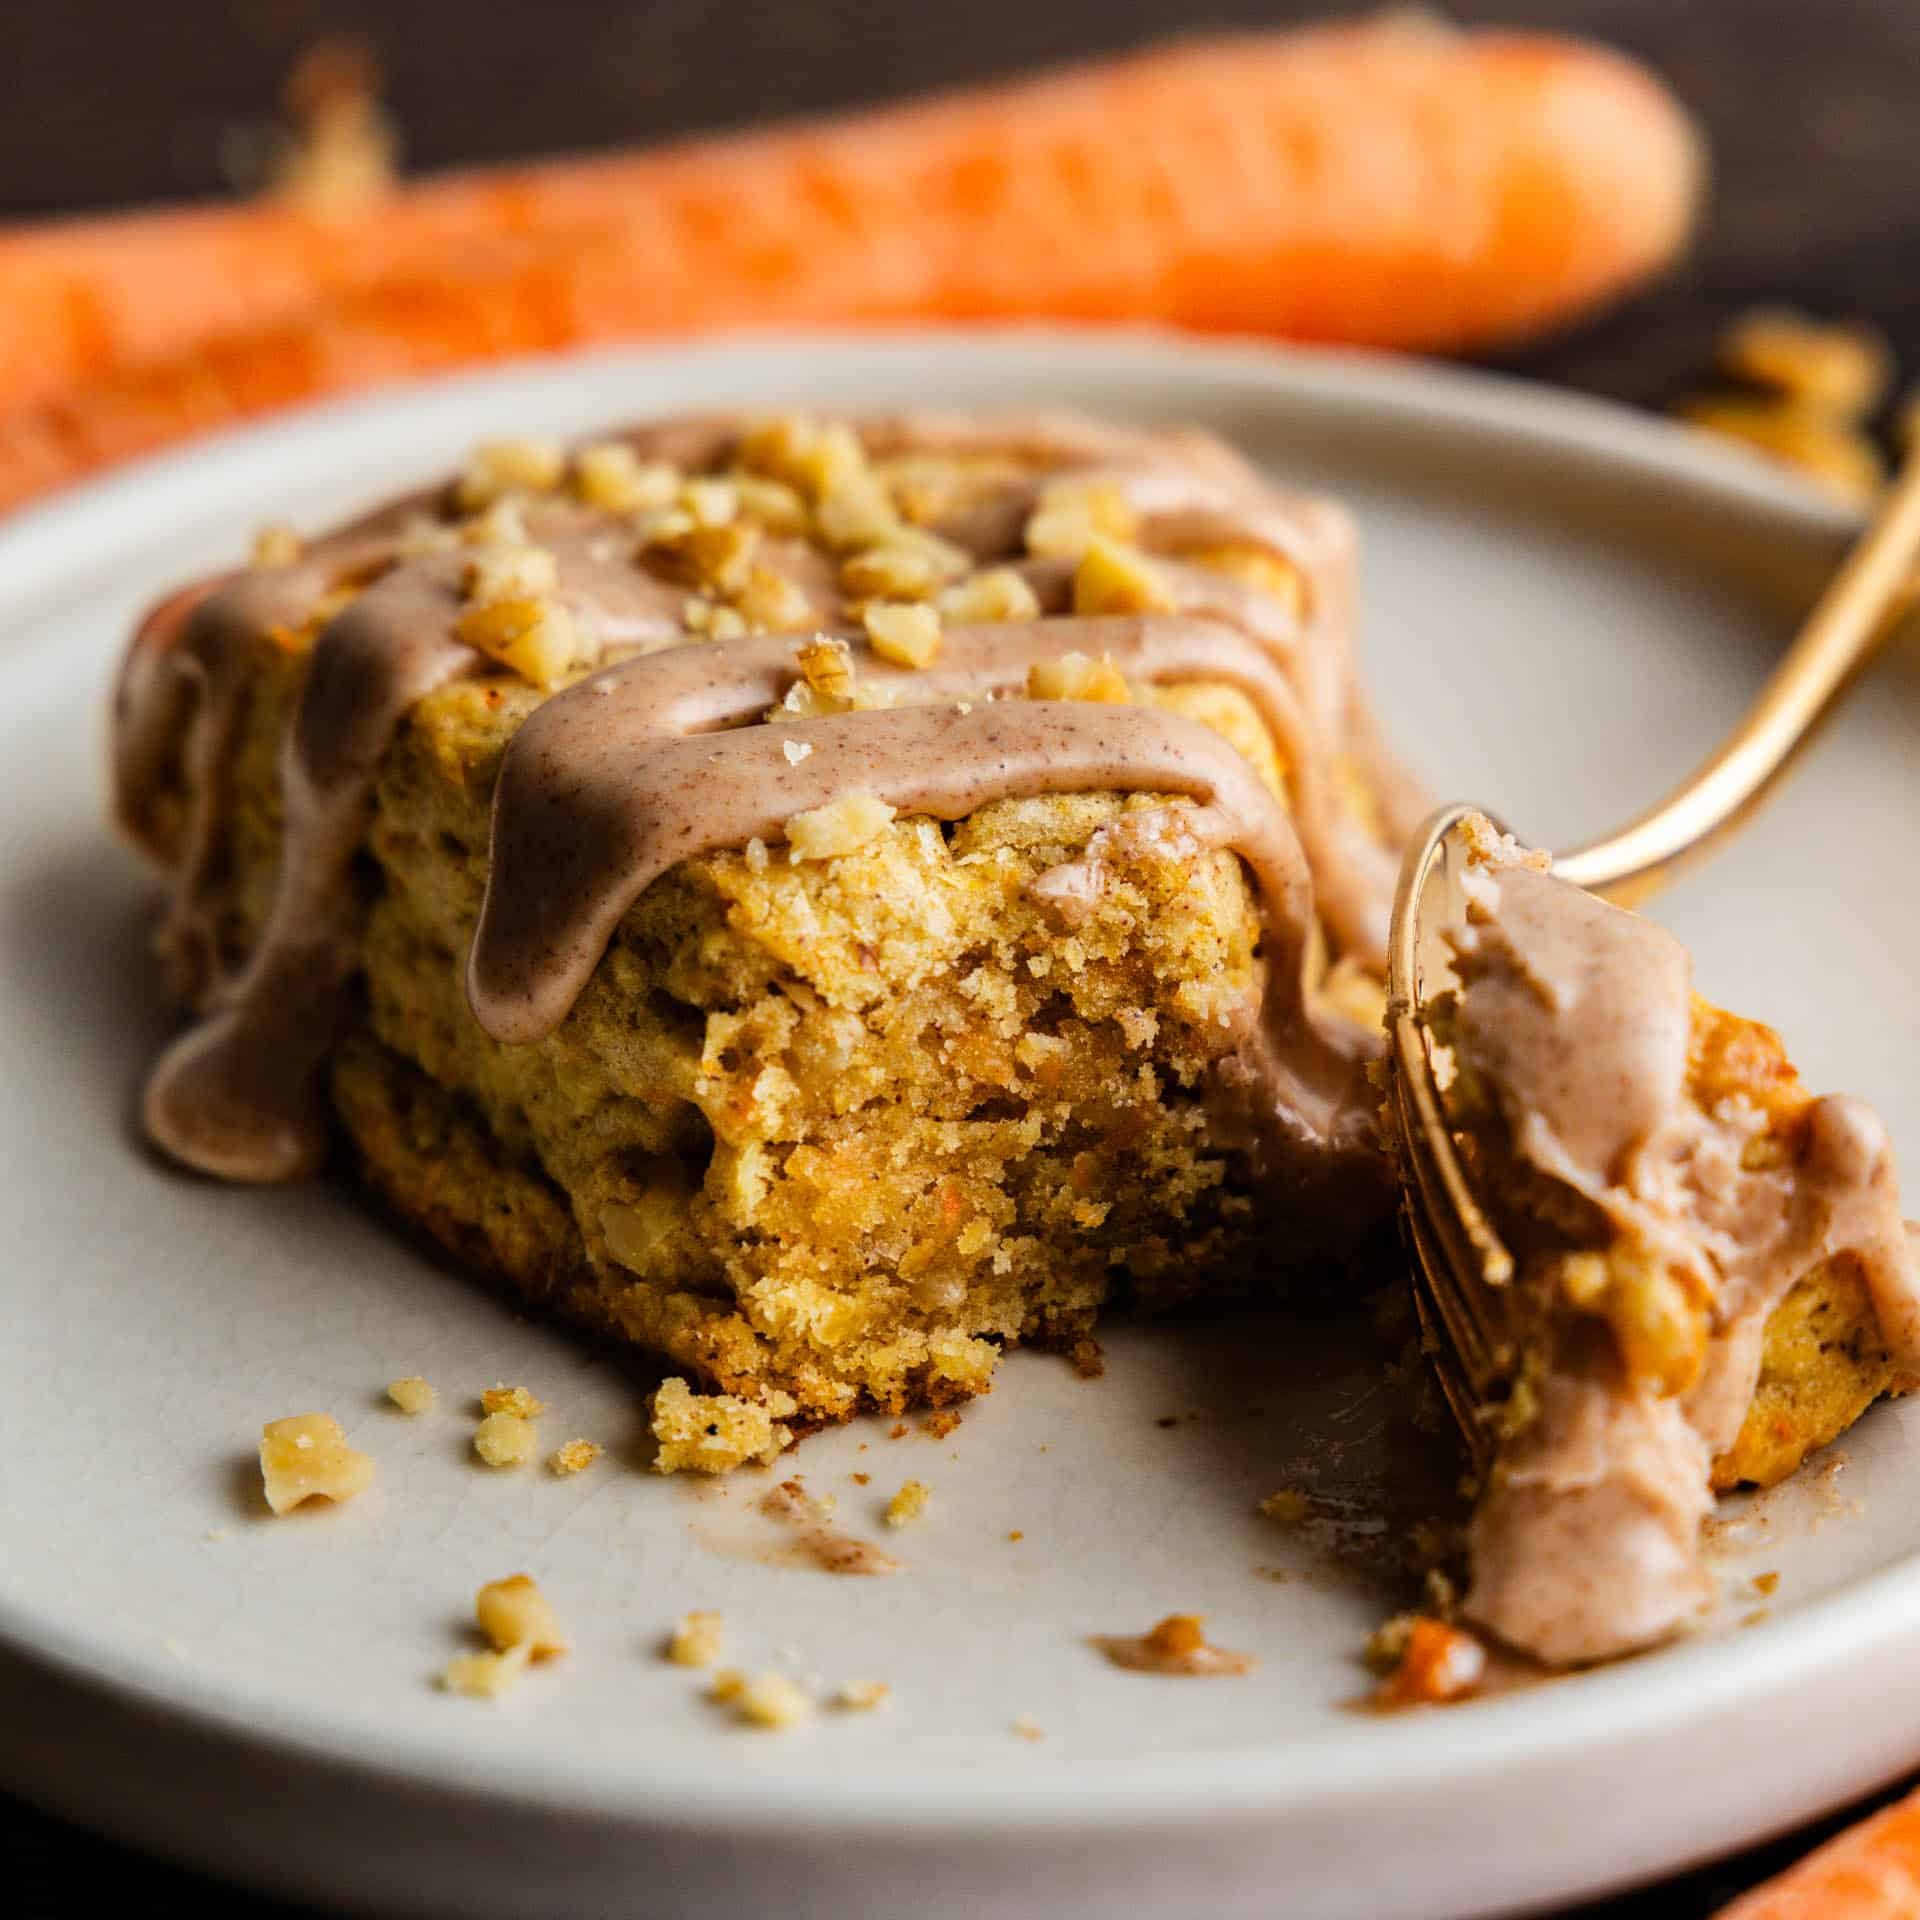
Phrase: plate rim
[43,547]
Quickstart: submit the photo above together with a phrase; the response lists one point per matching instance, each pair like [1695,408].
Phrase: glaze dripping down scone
[820,901]
[1712,1272]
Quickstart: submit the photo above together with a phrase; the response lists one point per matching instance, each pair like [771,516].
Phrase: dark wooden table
[1813,108]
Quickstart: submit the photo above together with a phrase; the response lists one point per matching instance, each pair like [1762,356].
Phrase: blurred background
[1810,108]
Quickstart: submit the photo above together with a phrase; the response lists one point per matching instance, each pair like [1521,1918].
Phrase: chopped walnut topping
[710,503]
[827,666]
[501,1399]
[813,458]
[777,506]
[1257,567]
[902,634]
[1074,513]
[1112,578]
[575,1456]
[862,1696]
[306,1457]
[717,623]
[768,602]
[695,1642]
[858,512]
[499,466]
[1077,676]
[277,546]
[505,1440]
[537,639]
[908,1504]
[504,523]
[505,572]
[611,476]
[840,826]
[715,556]
[716,1432]
[907,564]
[412,1394]
[995,595]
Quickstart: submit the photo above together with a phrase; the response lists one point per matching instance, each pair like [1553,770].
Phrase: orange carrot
[1394,183]
[1869,1872]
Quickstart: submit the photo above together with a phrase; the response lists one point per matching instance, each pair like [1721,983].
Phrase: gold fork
[1461,1268]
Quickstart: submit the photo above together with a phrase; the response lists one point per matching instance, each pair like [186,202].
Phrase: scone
[1712,1276]
[819,900]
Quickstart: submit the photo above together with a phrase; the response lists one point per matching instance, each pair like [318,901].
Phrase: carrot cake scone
[1712,1276]
[823,901]
[820,900]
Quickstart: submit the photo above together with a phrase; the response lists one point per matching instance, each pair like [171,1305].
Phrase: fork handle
[1841,633]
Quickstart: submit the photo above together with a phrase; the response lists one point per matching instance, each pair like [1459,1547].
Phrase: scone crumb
[515,1400]
[1289,1506]
[839,827]
[306,1457]
[796,750]
[716,1432]
[1437,1663]
[942,1423]
[1027,1728]
[862,1696]
[695,1642]
[504,1440]
[1077,676]
[728,1685]
[514,1613]
[412,1394]
[903,634]
[576,1456]
[908,1504]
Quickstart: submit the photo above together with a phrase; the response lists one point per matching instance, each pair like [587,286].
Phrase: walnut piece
[306,1457]
[840,826]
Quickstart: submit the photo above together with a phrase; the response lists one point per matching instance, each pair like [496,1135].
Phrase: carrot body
[1393,184]
[1869,1872]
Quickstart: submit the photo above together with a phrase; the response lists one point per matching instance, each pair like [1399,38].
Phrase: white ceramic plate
[1564,605]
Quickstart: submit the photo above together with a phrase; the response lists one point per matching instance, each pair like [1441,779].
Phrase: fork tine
[1460,1264]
